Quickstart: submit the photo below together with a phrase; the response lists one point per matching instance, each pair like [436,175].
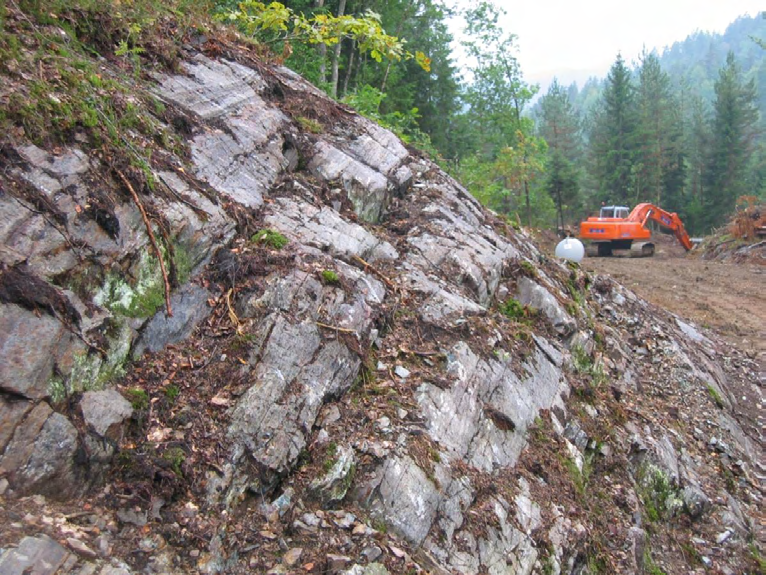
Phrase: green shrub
[513,309]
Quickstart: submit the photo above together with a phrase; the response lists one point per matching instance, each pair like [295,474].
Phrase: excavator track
[608,249]
[642,250]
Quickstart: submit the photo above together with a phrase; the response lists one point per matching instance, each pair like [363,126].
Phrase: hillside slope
[364,370]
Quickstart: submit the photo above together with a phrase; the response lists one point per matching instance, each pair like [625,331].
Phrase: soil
[725,297]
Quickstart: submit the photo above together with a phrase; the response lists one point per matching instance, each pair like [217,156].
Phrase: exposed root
[152,239]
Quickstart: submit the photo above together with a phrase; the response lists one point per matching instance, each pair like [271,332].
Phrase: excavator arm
[670,220]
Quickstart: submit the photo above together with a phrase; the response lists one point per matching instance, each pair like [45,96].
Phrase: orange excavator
[616,229]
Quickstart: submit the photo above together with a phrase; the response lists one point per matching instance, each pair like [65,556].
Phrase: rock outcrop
[348,398]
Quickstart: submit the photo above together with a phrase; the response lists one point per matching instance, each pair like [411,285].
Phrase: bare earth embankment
[726,297]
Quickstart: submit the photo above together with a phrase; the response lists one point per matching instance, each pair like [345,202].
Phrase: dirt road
[729,298]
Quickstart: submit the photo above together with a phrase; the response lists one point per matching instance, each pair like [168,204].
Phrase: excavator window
[614,212]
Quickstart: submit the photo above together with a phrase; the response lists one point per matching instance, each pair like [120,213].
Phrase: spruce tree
[614,137]
[658,157]
[734,131]
[560,127]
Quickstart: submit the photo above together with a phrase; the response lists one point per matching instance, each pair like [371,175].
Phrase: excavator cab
[614,212]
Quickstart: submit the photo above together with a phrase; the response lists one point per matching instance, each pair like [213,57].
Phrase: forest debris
[21,287]
[377,272]
[336,328]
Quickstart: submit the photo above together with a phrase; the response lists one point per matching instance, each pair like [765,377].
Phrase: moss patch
[270,238]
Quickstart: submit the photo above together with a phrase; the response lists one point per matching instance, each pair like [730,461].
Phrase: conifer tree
[734,131]
[658,157]
[560,127]
[615,140]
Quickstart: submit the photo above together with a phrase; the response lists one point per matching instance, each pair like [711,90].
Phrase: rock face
[364,365]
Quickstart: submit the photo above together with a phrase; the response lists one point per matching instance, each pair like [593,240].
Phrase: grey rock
[407,500]
[574,433]
[537,297]
[244,160]
[334,485]
[583,341]
[40,555]
[311,519]
[696,503]
[87,569]
[199,231]
[371,569]
[272,426]
[189,305]
[81,548]
[442,304]
[51,462]
[528,513]
[40,456]
[12,412]
[105,411]
[283,503]
[372,553]
[29,346]
[723,536]
[636,543]
[503,549]
[402,372]
[343,519]
[137,518]
[366,188]
[331,414]
[324,229]
[463,253]
[482,417]
[692,333]
[383,424]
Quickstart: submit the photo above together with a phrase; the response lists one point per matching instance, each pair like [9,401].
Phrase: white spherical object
[570,249]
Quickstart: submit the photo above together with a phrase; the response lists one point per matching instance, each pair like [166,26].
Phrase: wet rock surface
[348,396]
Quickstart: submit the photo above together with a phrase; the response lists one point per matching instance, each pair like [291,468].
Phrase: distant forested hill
[694,62]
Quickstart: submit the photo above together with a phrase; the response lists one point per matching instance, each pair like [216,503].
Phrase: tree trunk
[398,31]
[529,205]
[350,68]
[322,49]
[336,55]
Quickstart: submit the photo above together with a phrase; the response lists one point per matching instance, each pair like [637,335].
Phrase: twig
[341,329]
[232,314]
[152,239]
[377,272]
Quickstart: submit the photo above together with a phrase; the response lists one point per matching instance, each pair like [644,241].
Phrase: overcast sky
[575,39]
